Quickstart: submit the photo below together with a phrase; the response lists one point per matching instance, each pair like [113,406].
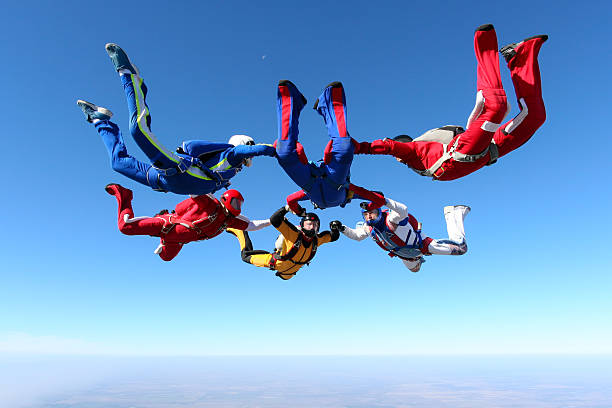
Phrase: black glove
[336,225]
[364,205]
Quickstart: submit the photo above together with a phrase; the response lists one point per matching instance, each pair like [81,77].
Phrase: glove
[336,225]
[381,146]
[361,148]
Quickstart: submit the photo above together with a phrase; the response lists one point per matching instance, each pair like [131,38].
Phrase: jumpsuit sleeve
[398,212]
[279,222]
[328,236]
[253,225]
[377,199]
[237,154]
[238,223]
[357,234]
[293,199]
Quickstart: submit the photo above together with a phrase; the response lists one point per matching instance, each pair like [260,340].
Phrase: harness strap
[183,166]
[397,240]
[460,157]
[294,249]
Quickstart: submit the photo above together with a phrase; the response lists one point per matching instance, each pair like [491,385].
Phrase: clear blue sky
[537,274]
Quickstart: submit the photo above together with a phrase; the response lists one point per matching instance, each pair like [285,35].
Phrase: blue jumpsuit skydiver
[325,183]
[200,168]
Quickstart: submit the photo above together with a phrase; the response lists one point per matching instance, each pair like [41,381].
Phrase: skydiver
[399,233]
[295,247]
[326,183]
[197,167]
[449,152]
[194,219]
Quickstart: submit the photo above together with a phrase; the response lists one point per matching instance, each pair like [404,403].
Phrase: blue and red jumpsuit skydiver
[326,183]
[200,168]
[485,138]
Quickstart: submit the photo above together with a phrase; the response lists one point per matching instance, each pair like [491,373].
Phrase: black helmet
[310,217]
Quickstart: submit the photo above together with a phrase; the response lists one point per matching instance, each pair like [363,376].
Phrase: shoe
[125,194]
[403,138]
[334,84]
[485,27]
[287,83]
[509,51]
[451,208]
[92,111]
[120,59]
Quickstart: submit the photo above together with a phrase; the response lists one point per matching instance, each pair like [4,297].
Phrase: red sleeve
[237,223]
[377,199]
[292,201]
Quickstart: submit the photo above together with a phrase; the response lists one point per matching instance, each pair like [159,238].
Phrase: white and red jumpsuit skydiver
[397,232]
[194,219]
[484,139]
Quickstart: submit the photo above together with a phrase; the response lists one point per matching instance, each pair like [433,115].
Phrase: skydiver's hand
[299,211]
[380,146]
[336,225]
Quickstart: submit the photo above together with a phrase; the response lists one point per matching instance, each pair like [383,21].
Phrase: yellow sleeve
[289,231]
[325,237]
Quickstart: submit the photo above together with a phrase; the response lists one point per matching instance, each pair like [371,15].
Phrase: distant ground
[352,382]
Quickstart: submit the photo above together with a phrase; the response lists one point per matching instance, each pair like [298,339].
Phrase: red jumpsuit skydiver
[475,148]
[194,219]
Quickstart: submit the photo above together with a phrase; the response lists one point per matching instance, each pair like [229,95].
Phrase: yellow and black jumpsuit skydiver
[297,249]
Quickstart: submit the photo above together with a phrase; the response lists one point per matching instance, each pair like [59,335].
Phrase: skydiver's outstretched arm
[237,154]
[357,234]
[377,199]
[278,221]
[293,199]
[398,212]
[254,225]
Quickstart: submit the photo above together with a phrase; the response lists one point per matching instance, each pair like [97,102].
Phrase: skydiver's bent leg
[247,253]
[525,71]
[455,244]
[491,105]
[167,251]
[121,161]
[140,123]
[332,106]
[417,155]
[129,225]
[290,103]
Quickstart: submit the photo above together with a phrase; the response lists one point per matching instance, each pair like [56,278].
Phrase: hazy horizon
[416,381]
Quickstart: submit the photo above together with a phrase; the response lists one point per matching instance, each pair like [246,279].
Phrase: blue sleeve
[236,155]
[195,148]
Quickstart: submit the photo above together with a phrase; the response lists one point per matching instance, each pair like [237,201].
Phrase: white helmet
[241,140]
[237,140]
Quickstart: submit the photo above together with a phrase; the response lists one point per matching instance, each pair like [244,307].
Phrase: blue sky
[537,274]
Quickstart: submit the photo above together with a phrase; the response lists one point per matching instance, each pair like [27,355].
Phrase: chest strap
[294,249]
